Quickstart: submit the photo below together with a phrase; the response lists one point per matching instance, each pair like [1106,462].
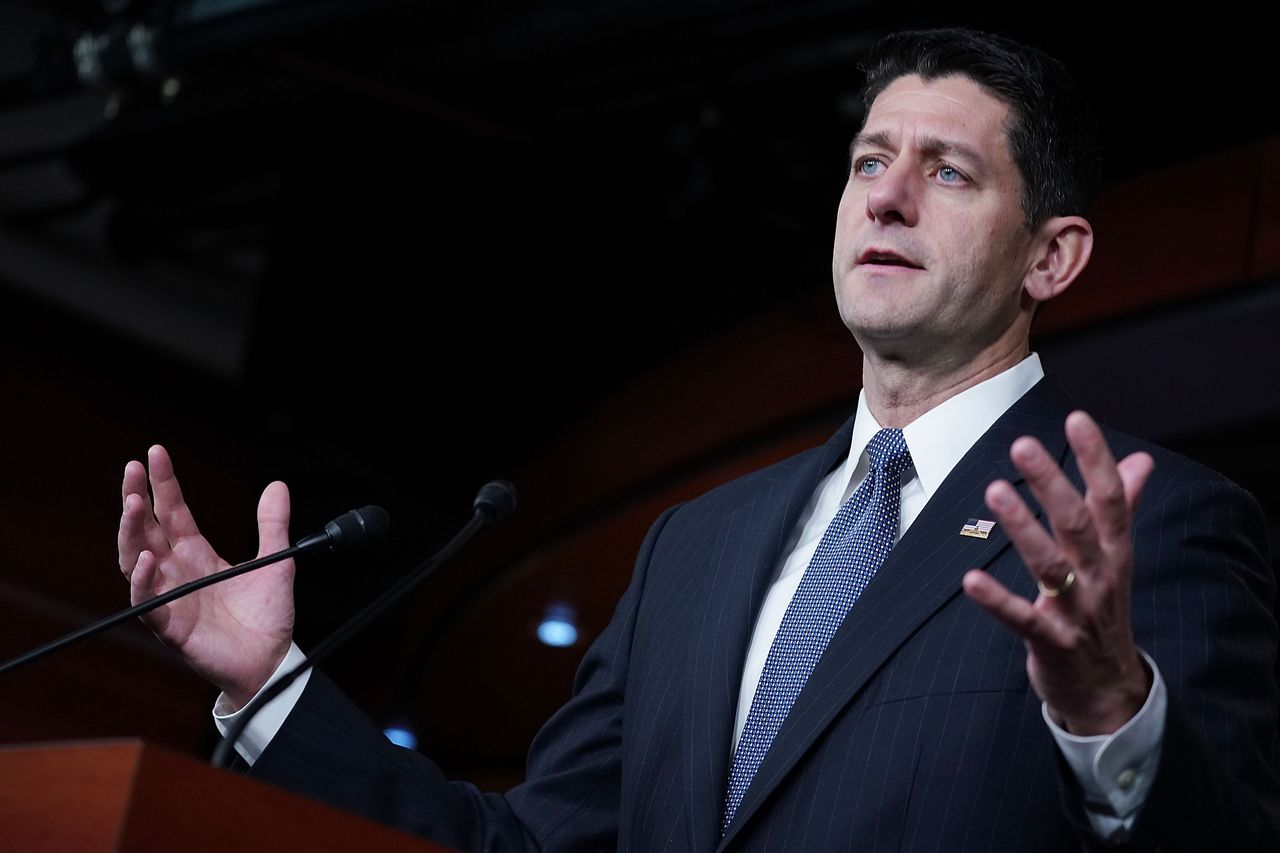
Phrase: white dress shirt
[1115,771]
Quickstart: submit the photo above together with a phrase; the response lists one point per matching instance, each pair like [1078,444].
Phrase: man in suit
[877,644]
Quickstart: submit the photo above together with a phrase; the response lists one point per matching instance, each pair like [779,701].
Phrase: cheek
[848,214]
[993,254]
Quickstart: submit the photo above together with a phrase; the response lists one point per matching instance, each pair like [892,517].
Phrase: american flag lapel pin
[978,528]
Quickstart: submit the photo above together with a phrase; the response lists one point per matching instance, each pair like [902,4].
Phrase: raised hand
[1081,655]
[233,633]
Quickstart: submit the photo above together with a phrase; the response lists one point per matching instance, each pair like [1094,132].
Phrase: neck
[898,392]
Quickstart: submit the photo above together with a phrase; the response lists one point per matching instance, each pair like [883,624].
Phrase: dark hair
[1052,133]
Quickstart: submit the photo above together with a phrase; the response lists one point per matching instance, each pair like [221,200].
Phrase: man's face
[930,244]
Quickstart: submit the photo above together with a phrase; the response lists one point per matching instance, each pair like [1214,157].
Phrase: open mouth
[886,258]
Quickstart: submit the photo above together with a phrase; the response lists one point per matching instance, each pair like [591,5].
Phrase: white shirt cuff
[264,725]
[1116,771]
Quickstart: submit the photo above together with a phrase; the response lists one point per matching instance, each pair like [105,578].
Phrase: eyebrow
[930,145]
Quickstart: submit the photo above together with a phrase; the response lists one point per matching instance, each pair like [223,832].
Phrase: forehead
[953,108]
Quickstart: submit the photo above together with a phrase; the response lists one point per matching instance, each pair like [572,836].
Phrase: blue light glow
[401,736]
[555,632]
[557,628]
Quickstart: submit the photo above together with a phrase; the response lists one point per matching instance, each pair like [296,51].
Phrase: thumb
[273,519]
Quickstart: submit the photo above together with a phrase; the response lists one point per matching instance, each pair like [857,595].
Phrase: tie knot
[888,451]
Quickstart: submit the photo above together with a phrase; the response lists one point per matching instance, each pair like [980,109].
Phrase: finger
[1043,558]
[1104,490]
[170,507]
[142,578]
[1017,614]
[1134,471]
[134,481]
[1065,508]
[129,539]
[138,531]
[273,519]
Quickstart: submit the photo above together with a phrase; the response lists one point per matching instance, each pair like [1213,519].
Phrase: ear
[1061,251]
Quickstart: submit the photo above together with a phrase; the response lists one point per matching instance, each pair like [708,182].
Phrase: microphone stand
[495,502]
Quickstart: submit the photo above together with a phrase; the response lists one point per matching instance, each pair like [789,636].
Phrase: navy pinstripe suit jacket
[916,732]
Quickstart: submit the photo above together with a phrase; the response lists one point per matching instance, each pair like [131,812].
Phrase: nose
[894,194]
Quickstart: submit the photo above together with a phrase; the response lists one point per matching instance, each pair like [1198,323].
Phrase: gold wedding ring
[1055,591]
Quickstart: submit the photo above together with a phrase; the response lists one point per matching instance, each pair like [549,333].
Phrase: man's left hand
[1081,656]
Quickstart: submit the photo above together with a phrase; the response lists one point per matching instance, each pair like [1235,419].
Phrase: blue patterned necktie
[851,550]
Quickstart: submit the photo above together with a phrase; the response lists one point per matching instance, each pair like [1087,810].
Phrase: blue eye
[868,166]
[949,175]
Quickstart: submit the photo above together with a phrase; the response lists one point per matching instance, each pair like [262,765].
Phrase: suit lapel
[745,554]
[921,574]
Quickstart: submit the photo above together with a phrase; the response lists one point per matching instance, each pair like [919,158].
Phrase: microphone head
[359,526]
[496,500]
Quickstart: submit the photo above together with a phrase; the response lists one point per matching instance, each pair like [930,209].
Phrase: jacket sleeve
[1203,597]
[330,750]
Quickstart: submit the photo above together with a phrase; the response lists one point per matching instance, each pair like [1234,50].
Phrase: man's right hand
[234,633]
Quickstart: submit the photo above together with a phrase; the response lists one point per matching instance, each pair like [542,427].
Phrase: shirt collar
[940,437]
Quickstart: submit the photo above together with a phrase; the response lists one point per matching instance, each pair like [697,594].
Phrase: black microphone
[495,501]
[352,528]
[366,524]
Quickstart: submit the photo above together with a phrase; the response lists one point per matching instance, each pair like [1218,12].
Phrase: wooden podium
[130,796]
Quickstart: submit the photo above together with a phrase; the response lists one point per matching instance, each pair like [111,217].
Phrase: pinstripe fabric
[915,732]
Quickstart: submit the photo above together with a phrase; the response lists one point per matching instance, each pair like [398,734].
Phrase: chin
[878,332]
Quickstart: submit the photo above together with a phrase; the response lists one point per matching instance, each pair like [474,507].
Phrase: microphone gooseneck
[495,501]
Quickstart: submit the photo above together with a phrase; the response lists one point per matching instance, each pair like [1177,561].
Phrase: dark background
[385,251]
